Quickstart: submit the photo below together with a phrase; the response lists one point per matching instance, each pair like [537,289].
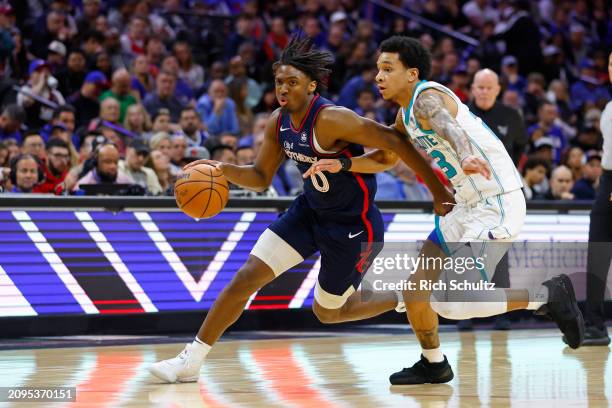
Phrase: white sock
[400,296]
[537,297]
[433,355]
[200,348]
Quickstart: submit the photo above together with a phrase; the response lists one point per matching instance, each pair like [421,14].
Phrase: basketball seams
[192,197]
[203,181]
[210,194]
[195,206]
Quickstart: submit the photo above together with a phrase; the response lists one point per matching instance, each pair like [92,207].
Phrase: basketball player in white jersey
[490,208]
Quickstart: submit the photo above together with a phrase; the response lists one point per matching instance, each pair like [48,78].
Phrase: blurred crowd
[126,92]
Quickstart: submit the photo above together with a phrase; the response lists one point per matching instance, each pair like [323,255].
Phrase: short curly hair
[411,52]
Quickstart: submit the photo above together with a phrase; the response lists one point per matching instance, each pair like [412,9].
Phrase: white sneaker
[401,307]
[183,368]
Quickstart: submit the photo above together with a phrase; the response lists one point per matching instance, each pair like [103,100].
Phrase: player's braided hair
[302,55]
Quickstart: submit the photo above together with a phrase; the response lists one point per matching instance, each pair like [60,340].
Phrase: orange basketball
[202,191]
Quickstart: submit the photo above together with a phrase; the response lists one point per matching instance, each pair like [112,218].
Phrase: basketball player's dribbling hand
[475,165]
[214,163]
[329,165]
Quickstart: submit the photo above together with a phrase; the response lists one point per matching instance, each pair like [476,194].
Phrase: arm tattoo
[430,107]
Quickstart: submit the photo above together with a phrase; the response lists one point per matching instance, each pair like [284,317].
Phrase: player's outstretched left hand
[330,165]
[476,165]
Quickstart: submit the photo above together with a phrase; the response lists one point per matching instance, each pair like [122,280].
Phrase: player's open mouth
[282,101]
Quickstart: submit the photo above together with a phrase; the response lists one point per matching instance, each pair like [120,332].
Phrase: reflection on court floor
[516,368]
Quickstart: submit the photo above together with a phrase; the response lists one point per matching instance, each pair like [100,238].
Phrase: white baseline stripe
[55,262]
[112,256]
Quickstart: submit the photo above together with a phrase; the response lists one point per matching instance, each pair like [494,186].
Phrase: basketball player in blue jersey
[335,215]
[490,208]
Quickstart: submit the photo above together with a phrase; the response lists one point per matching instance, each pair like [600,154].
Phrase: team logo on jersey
[288,146]
[304,137]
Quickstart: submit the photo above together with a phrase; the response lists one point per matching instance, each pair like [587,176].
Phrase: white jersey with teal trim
[468,189]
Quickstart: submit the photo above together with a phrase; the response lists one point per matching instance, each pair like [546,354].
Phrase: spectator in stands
[160,163]
[161,141]
[110,111]
[34,144]
[223,153]
[106,168]
[534,174]
[349,92]
[586,187]
[25,173]
[142,80]
[55,29]
[410,189]
[137,120]
[559,95]
[4,155]
[238,90]
[192,127]
[561,183]
[12,118]
[521,35]
[183,92]
[504,121]
[162,122]
[121,90]
[136,155]
[574,158]
[510,75]
[56,167]
[56,54]
[588,90]
[547,115]
[87,98]
[245,155]
[133,40]
[164,96]
[238,70]
[534,95]
[242,34]
[543,148]
[366,105]
[218,111]
[479,11]
[178,150]
[459,83]
[276,40]
[189,71]
[39,96]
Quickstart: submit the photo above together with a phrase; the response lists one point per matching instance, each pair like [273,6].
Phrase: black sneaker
[594,336]
[424,372]
[502,323]
[563,309]
[465,325]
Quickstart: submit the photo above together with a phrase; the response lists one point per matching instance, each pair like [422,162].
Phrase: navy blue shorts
[347,248]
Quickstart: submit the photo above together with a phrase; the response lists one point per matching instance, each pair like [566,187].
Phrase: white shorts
[489,226]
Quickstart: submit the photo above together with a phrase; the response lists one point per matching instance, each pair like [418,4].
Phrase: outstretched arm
[370,162]
[257,176]
[430,108]
[342,125]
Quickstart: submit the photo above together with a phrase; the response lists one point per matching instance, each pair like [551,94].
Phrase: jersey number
[324,186]
[448,169]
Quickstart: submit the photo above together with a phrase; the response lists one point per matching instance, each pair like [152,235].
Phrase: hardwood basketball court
[498,369]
